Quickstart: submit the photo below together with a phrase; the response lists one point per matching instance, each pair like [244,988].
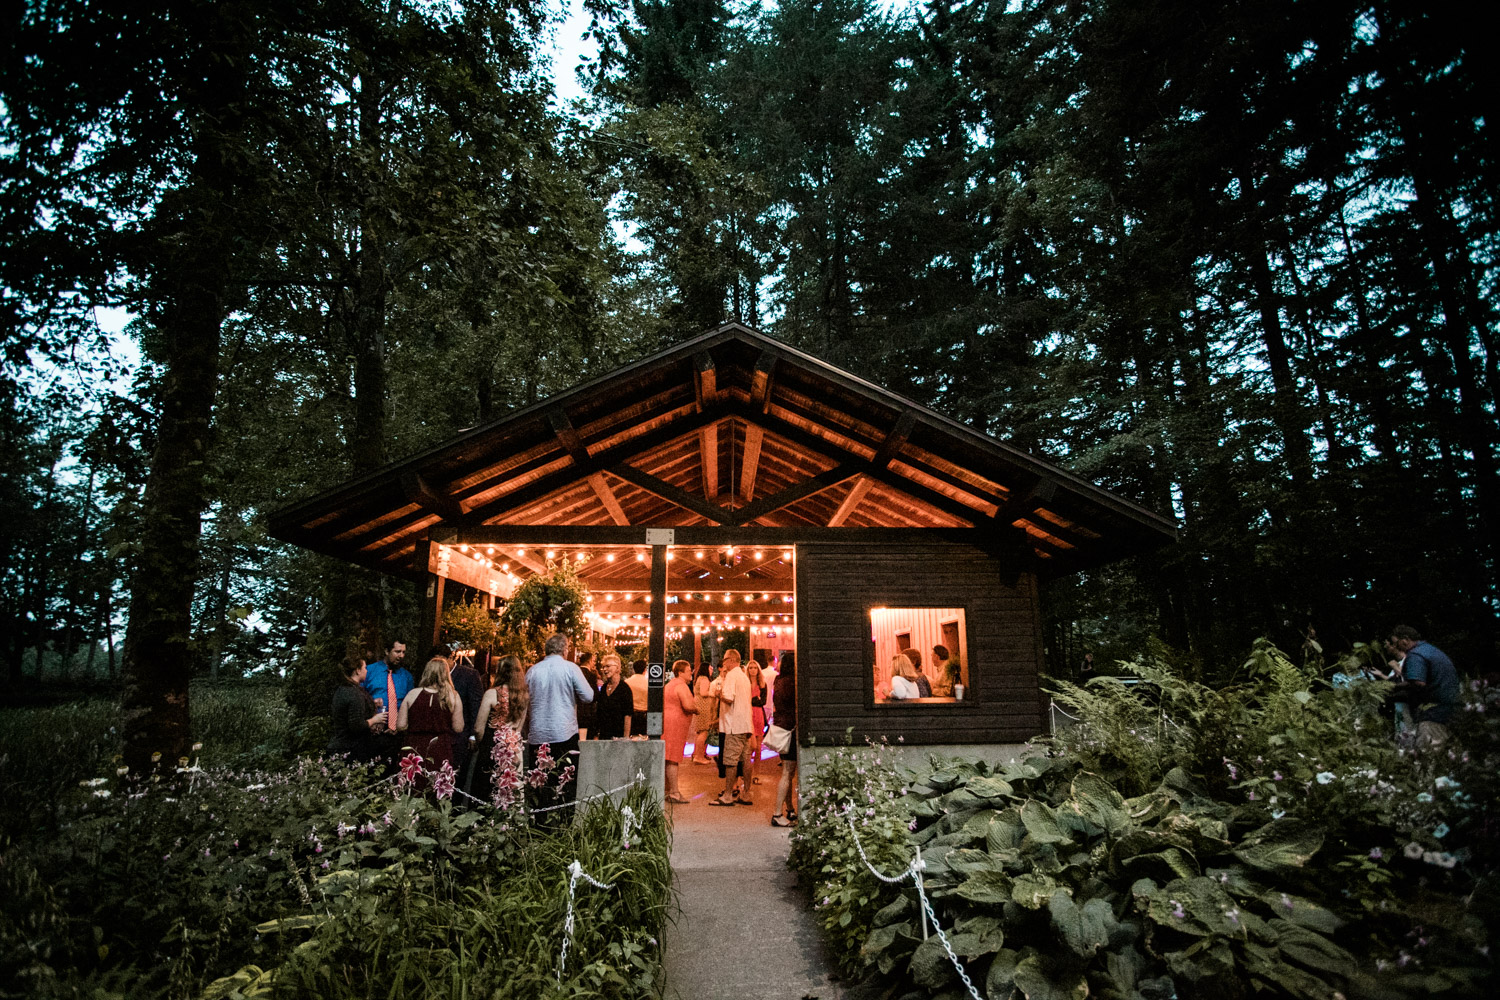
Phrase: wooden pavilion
[733,481]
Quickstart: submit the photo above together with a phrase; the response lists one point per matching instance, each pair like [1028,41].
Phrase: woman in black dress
[614,703]
[785,700]
[355,715]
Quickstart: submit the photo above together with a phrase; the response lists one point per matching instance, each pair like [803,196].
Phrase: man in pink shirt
[734,726]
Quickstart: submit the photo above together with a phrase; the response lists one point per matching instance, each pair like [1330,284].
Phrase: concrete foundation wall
[604,765]
[918,757]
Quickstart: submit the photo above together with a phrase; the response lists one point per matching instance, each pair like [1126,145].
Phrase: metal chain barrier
[914,872]
[575,872]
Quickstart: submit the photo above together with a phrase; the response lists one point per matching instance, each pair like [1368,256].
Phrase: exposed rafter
[673,494]
[708,458]
[856,496]
[760,382]
[750,461]
[597,462]
[795,492]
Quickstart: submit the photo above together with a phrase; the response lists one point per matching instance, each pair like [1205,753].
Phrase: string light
[759,555]
[610,557]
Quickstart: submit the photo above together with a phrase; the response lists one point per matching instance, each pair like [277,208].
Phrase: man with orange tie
[387,680]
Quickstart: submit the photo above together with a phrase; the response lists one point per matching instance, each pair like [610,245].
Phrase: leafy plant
[556,600]
[468,624]
[1287,848]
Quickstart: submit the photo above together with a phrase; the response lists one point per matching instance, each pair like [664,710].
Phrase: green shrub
[1287,848]
[319,880]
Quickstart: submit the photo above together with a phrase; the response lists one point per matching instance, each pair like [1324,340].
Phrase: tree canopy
[1234,261]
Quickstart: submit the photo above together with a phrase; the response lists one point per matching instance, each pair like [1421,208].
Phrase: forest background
[1235,261]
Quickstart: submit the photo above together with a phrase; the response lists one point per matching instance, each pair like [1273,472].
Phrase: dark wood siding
[837,584]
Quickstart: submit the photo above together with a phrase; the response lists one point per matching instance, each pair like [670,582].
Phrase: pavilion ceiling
[732,429]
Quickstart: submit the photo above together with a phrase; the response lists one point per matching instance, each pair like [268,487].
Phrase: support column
[656,647]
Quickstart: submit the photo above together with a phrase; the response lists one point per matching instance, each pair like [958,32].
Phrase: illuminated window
[919,656]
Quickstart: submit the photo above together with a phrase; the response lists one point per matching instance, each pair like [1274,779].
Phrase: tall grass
[44,750]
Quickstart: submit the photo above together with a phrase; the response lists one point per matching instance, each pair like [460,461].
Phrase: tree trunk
[196,229]
[1285,405]
[158,657]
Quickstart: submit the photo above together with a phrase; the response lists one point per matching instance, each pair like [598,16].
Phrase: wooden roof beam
[672,494]
[705,380]
[607,497]
[567,436]
[795,492]
[708,456]
[760,382]
[750,461]
[540,488]
[931,498]
[854,499]
[888,450]
[417,490]
[1023,502]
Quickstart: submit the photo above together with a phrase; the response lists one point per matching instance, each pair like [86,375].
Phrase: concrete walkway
[743,930]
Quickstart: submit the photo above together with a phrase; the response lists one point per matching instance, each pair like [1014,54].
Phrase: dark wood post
[656,647]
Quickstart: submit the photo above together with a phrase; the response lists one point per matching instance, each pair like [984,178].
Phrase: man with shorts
[734,726]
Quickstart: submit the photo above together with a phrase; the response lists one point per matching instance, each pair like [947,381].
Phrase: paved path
[743,930]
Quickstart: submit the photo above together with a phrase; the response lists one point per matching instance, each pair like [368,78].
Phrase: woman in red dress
[678,708]
[433,716]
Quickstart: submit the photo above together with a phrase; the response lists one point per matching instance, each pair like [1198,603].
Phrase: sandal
[780,820]
[744,801]
[722,801]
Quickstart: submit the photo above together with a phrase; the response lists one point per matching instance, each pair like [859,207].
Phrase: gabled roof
[731,428]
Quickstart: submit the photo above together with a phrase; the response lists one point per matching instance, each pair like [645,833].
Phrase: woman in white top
[903,678]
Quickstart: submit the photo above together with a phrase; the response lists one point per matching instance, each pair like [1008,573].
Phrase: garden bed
[322,880]
[1267,839]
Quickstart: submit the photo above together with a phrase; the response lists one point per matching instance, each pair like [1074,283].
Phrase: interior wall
[925,625]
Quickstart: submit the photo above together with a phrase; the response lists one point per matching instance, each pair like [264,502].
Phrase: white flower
[102,793]
[1445,782]
[93,782]
[1412,850]
[1324,777]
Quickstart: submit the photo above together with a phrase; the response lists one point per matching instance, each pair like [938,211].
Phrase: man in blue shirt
[556,686]
[1432,676]
[375,678]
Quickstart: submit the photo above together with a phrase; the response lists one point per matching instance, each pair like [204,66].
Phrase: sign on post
[656,676]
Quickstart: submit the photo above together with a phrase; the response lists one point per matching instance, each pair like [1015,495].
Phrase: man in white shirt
[734,726]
